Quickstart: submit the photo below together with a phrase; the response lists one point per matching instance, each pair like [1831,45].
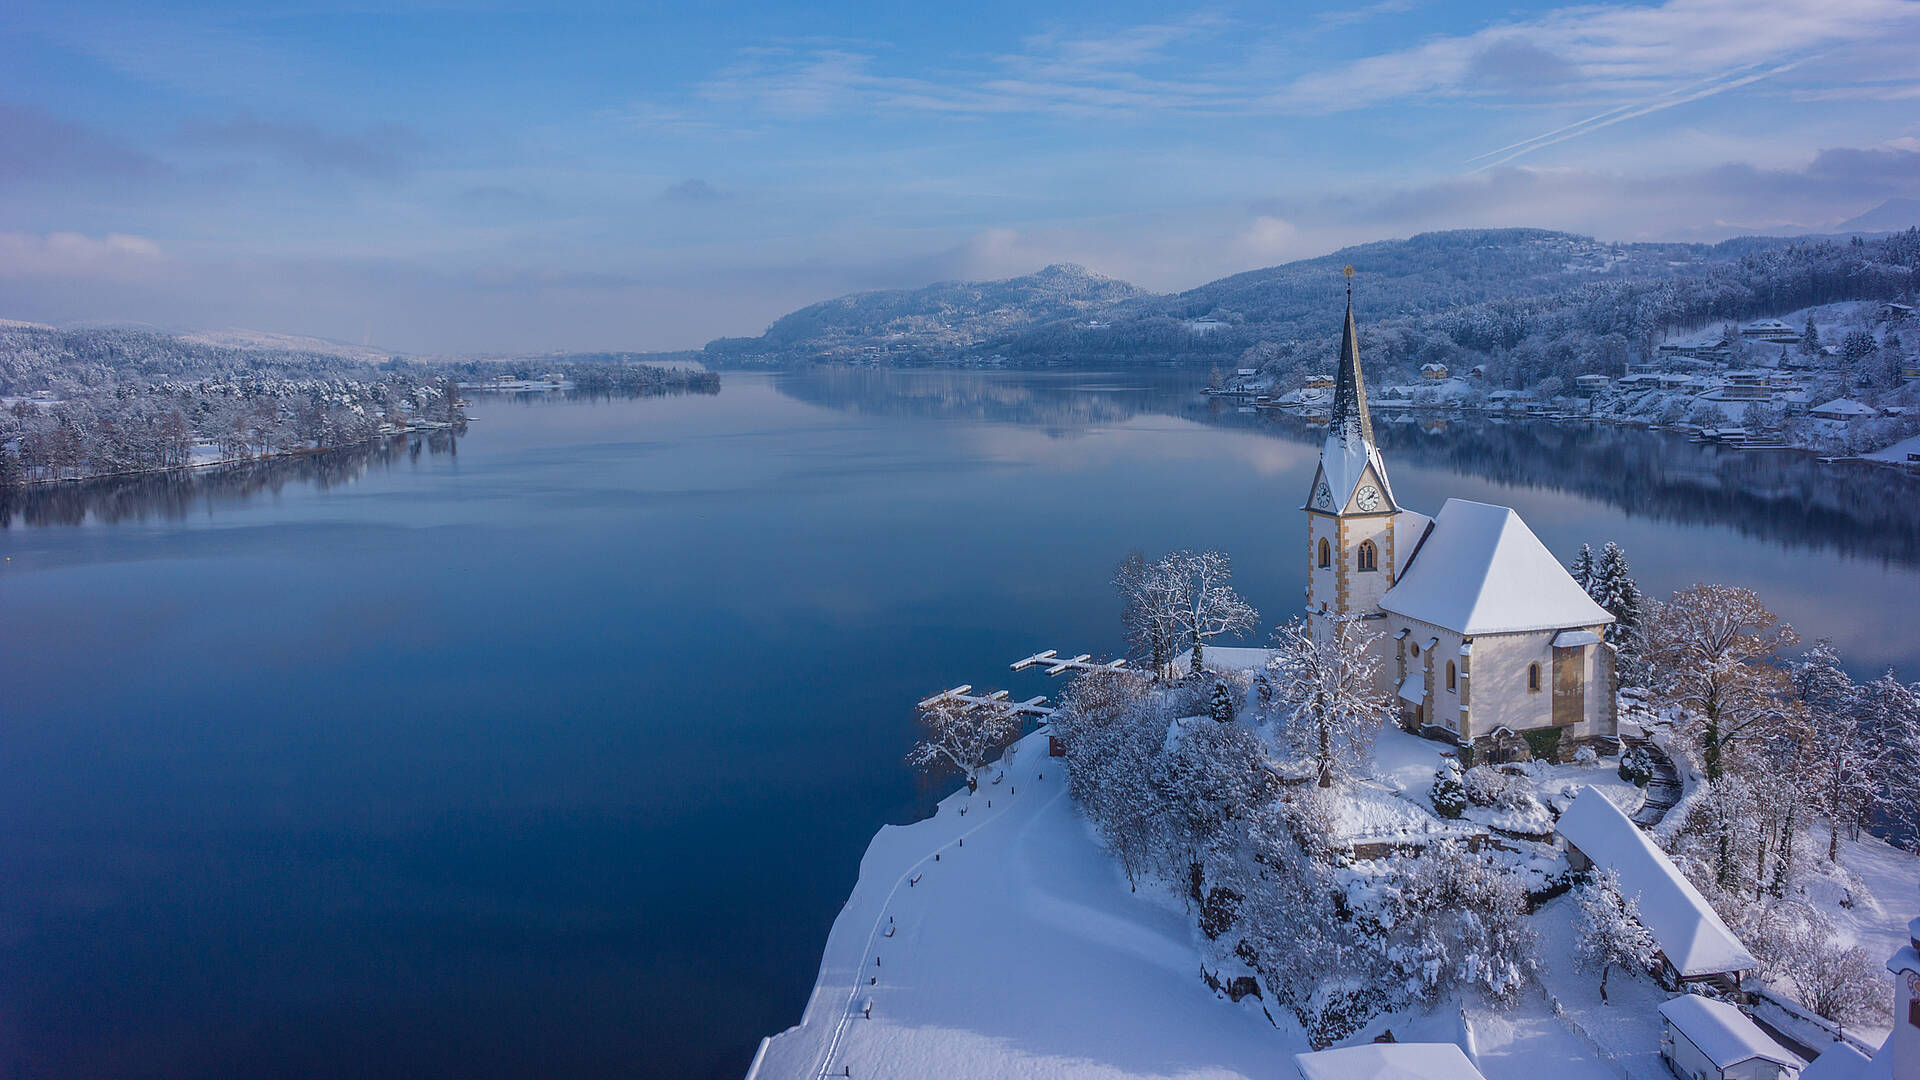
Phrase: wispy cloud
[115,256]
[43,147]
[1620,49]
[384,152]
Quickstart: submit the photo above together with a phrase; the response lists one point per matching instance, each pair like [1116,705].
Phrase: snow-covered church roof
[1480,570]
[1688,931]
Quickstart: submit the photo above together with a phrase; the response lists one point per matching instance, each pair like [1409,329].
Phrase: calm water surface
[554,753]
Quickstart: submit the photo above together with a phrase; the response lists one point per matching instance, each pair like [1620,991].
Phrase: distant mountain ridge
[1484,290]
[1890,216]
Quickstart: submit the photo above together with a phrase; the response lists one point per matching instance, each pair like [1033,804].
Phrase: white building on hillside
[1695,943]
[1489,642]
[1388,1061]
[1704,1039]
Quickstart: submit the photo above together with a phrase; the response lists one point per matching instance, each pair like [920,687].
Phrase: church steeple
[1350,421]
[1351,478]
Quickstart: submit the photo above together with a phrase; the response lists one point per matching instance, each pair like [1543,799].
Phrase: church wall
[1501,697]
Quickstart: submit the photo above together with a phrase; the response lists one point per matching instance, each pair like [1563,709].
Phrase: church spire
[1350,422]
[1350,455]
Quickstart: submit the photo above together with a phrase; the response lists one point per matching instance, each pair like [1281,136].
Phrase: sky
[448,177]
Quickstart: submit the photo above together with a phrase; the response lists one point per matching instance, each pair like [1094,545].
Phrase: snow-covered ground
[999,938]
[1019,953]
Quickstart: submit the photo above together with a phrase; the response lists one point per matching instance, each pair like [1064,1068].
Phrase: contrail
[1540,142]
[1617,109]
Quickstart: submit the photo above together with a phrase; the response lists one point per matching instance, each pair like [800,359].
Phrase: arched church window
[1450,676]
[1369,557]
[1533,676]
[1326,553]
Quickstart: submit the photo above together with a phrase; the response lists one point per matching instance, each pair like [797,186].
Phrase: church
[1488,642]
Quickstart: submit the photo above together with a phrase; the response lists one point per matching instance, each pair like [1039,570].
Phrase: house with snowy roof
[1488,642]
[1844,409]
[1695,944]
[1388,1061]
[1712,1040]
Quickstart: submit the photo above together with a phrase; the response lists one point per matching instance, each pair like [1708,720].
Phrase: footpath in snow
[1018,953]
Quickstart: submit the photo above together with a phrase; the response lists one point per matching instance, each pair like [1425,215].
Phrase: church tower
[1351,558]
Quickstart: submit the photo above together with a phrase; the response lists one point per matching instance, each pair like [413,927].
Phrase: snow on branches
[1610,933]
[1324,706]
[962,735]
[1714,650]
[1184,596]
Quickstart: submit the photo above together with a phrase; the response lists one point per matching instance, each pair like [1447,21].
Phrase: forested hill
[1479,292]
[947,316]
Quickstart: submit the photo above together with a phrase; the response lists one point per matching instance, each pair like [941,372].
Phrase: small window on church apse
[1326,553]
[1369,556]
[1450,676]
[1533,676]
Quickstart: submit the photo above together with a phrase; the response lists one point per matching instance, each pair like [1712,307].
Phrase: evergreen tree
[1582,568]
[1449,792]
[1611,585]
[1221,705]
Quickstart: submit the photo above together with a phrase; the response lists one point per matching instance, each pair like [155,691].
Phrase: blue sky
[453,176]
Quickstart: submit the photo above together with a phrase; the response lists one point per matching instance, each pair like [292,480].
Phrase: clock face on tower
[1369,498]
[1323,498]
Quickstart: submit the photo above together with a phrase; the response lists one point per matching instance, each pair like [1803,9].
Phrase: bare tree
[1325,701]
[1610,933]
[1206,604]
[1715,651]
[962,735]
[1148,596]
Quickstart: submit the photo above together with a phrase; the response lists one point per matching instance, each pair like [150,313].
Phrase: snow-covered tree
[1839,760]
[1582,568]
[1612,586]
[1453,920]
[1208,606]
[1114,730]
[963,736]
[1326,708]
[1209,775]
[1714,650]
[1449,793]
[1220,704]
[1890,717]
[1148,595]
[1841,982]
[1610,932]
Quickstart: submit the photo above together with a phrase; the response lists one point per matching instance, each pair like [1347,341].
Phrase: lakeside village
[1477,814]
[1837,379]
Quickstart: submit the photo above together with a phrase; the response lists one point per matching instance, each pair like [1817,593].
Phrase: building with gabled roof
[1712,1040]
[1388,1061]
[1490,643]
[1695,943]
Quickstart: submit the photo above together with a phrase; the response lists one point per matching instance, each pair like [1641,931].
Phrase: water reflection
[171,496]
[1786,498]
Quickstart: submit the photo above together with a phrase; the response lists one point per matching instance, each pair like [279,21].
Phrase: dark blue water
[554,753]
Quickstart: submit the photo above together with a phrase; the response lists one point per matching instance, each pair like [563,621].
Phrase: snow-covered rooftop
[1688,931]
[1722,1032]
[1837,1062]
[1482,571]
[1846,407]
[1388,1061]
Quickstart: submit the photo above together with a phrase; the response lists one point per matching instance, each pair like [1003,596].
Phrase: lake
[553,751]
